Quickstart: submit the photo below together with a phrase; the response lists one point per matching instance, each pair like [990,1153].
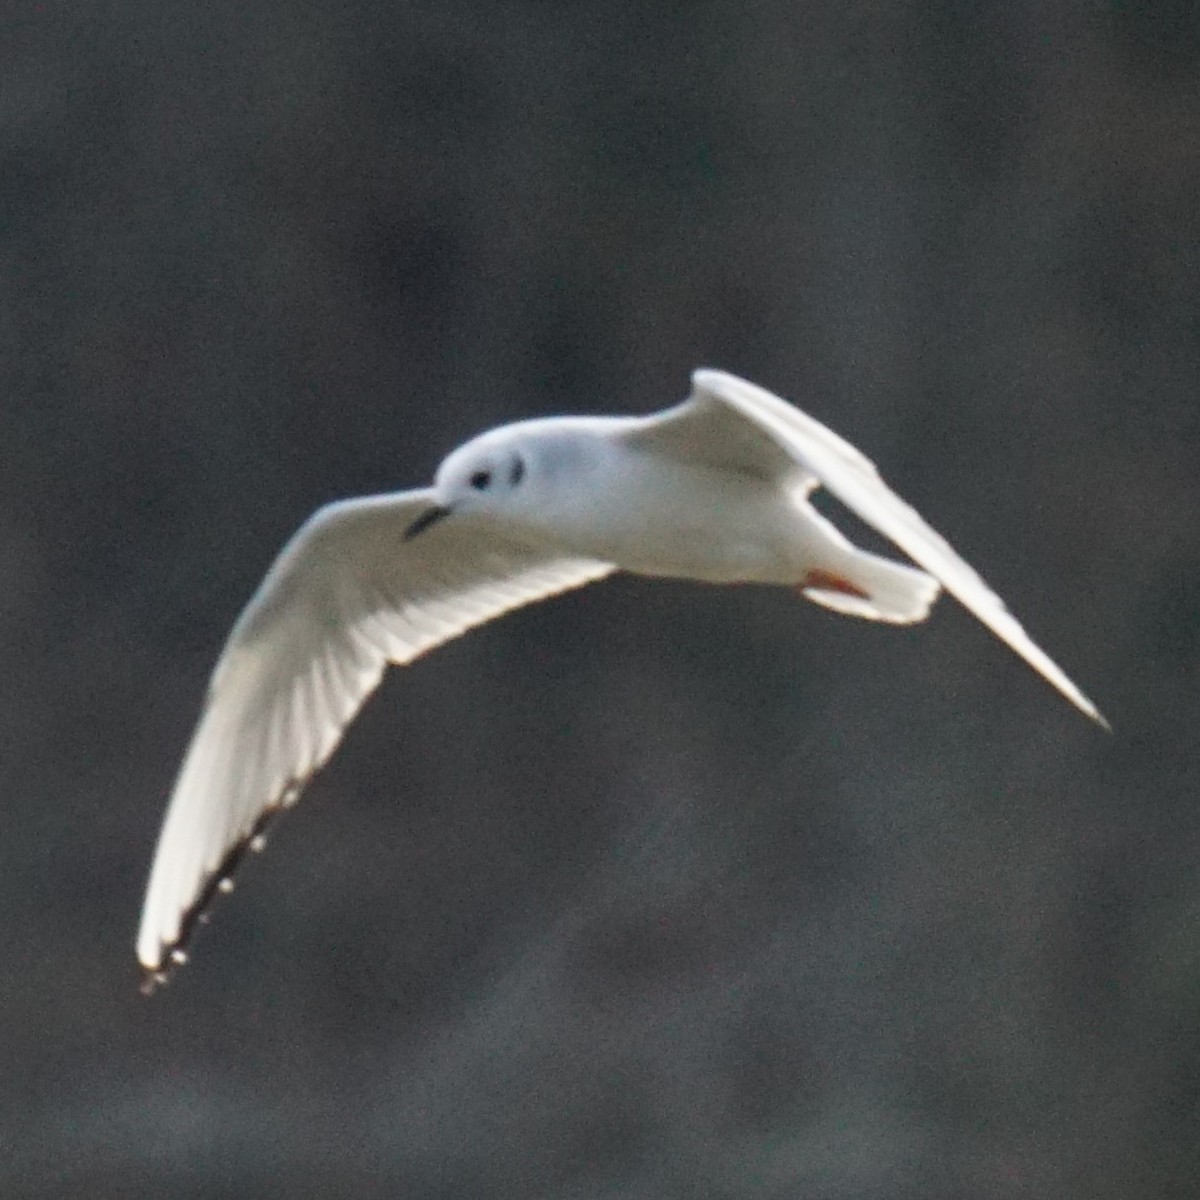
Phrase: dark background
[654,890]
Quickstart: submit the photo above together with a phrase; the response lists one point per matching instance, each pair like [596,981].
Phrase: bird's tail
[865,585]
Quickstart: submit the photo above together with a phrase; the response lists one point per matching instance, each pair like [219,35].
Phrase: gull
[715,489]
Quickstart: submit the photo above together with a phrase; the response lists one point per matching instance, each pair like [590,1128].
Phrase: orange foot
[827,581]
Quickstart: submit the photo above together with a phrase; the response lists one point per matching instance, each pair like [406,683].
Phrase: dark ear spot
[517,471]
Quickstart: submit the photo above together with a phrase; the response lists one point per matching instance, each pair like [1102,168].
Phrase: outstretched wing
[345,597]
[720,402]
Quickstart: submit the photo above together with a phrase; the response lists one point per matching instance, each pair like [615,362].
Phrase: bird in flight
[715,489]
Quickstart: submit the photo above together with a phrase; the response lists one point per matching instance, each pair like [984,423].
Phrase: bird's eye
[481,480]
[516,472]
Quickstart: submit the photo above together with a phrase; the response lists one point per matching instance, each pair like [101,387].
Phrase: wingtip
[152,979]
[160,959]
[158,973]
[1086,706]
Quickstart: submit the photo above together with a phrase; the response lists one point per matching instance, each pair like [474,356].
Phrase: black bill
[430,516]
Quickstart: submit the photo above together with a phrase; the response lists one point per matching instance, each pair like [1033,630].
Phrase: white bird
[714,489]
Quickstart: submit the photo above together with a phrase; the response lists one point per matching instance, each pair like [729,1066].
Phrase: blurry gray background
[654,890]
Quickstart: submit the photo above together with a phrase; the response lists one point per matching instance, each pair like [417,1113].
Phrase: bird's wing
[705,431]
[854,480]
[345,597]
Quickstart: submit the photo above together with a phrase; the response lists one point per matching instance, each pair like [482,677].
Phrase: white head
[507,473]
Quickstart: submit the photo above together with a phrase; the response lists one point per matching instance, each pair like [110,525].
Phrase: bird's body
[714,490]
[702,524]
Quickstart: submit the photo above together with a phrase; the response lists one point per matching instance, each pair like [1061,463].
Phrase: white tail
[878,589]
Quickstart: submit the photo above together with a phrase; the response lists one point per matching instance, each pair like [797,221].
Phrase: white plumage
[714,489]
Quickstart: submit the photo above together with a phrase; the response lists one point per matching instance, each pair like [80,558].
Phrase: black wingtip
[152,979]
[174,955]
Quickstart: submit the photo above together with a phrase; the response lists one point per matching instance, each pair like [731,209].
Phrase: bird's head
[494,475]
